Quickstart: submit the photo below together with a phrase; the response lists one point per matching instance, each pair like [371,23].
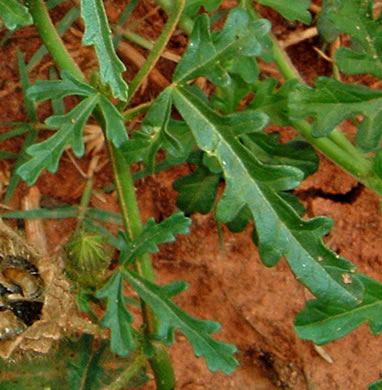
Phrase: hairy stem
[51,39]
[122,176]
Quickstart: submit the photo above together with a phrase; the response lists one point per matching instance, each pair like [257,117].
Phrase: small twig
[6,207]
[332,49]
[308,380]
[322,54]
[297,37]
[34,227]
[321,351]
[73,161]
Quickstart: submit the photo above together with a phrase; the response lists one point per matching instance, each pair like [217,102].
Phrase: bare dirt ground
[254,304]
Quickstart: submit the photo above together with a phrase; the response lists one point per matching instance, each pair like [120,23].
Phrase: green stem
[158,48]
[51,39]
[335,146]
[122,176]
[283,62]
[288,70]
[359,167]
[124,183]
[128,204]
[132,112]
[161,367]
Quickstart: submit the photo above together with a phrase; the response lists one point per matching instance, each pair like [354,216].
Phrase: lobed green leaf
[47,153]
[291,9]
[154,234]
[58,89]
[14,14]
[197,191]
[218,354]
[205,52]
[117,317]
[70,125]
[296,153]
[271,102]
[159,130]
[192,6]
[355,17]
[249,183]
[323,323]
[227,99]
[98,33]
[331,102]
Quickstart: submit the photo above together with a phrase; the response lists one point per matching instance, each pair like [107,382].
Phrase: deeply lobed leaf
[323,323]
[197,191]
[70,125]
[206,53]
[218,354]
[98,33]
[271,102]
[14,14]
[249,183]
[58,89]
[331,102]
[296,153]
[159,131]
[154,234]
[47,154]
[355,17]
[117,317]
[291,9]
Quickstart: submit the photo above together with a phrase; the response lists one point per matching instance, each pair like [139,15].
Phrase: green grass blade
[21,128]
[7,155]
[58,213]
[29,104]
[123,17]
[29,140]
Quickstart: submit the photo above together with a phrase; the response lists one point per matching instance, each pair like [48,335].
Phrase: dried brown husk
[58,302]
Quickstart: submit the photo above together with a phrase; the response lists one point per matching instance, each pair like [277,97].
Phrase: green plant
[225,144]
